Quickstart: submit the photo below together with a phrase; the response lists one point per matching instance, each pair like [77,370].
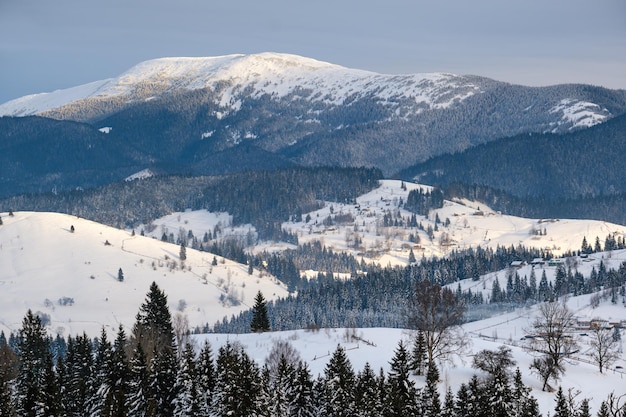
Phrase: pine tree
[187,401]
[79,369]
[338,389]
[431,402]
[448,405]
[367,393]
[419,358]
[120,275]
[163,369]
[98,387]
[138,384]
[206,379]
[260,322]
[302,404]
[561,409]
[401,395]
[35,360]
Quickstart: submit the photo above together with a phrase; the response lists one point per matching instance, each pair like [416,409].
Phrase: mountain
[183,115]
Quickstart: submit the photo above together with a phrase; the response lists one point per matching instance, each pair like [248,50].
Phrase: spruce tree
[98,386]
[302,404]
[206,379]
[431,402]
[401,395]
[8,366]
[79,369]
[187,402]
[419,358]
[260,321]
[163,369]
[367,393]
[237,386]
[338,389]
[34,360]
[461,406]
[138,384]
[448,405]
[120,372]
[561,409]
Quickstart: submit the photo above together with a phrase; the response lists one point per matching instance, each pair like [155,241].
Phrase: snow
[471,224]
[43,261]
[316,348]
[106,129]
[141,175]
[274,74]
[580,113]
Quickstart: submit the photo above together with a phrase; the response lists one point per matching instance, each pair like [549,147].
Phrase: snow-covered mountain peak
[274,74]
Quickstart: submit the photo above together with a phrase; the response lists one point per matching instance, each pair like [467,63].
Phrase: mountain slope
[72,277]
[177,114]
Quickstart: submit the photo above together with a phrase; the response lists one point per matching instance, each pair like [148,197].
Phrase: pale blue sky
[47,45]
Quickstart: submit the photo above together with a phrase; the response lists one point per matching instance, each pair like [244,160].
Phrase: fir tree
[302,404]
[34,360]
[401,395]
[206,379]
[338,393]
[419,358]
[120,275]
[367,393]
[561,409]
[98,386]
[448,405]
[431,402]
[138,384]
[187,402]
[162,383]
[260,321]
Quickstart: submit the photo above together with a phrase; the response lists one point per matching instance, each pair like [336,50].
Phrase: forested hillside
[264,199]
[577,175]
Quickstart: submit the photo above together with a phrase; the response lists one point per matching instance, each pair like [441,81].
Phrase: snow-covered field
[316,348]
[44,262]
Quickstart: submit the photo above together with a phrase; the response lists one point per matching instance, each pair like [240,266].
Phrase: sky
[49,45]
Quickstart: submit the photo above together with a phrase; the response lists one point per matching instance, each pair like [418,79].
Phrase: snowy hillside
[377,346]
[72,277]
[359,228]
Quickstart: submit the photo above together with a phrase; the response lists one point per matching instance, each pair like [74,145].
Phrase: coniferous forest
[155,369]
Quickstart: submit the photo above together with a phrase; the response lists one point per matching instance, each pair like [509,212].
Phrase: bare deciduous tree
[553,340]
[604,347]
[438,313]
